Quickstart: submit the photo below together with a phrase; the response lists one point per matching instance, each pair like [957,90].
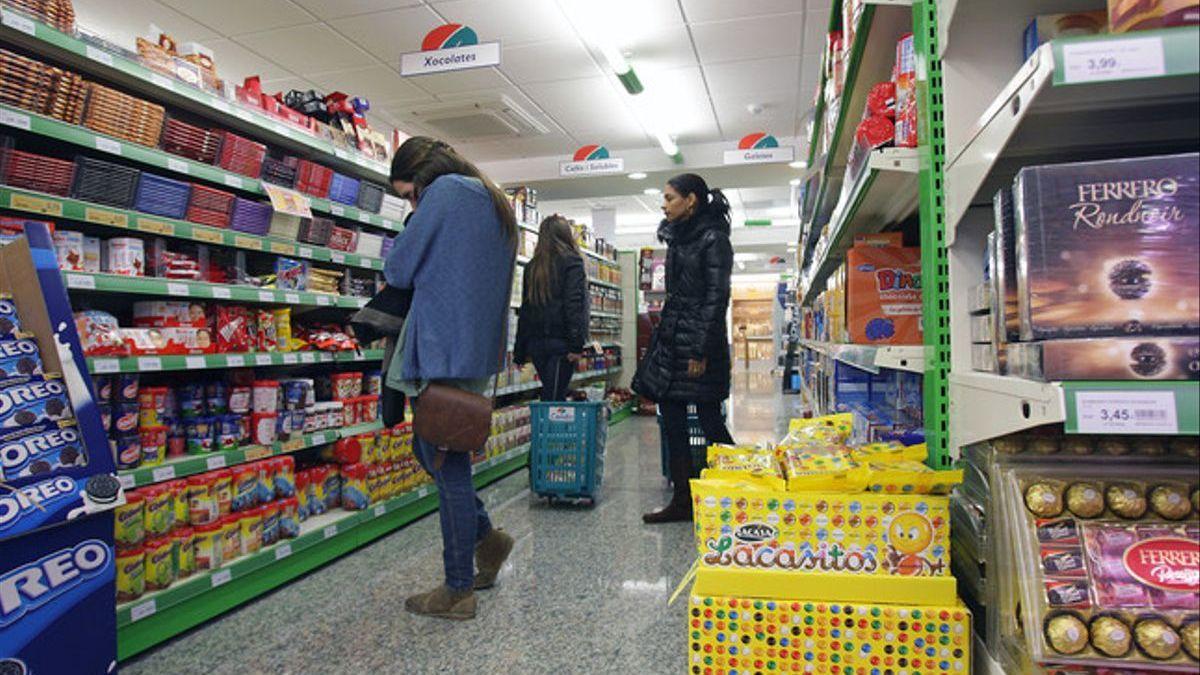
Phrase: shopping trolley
[567,449]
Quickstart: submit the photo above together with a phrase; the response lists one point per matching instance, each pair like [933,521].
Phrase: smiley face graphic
[910,533]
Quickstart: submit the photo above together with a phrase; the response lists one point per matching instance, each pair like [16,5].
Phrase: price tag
[323,299]
[149,363]
[156,226]
[17,22]
[178,165]
[280,129]
[423,492]
[108,145]
[337,257]
[305,252]
[319,438]
[175,288]
[293,298]
[237,361]
[163,473]
[162,81]
[337,209]
[234,181]
[282,551]
[290,358]
[266,296]
[217,462]
[293,445]
[221,292]
[99,55]
[364,218]
[106,366]
[263,360]
[221,105]
[1126,412]
[81,281]
[47,207]
[127,481]
[105,217]
[283,249]
[1098,60]
[143,610]
[248,242]
[14,119]
[244,114]
[307,357]
[330,531]
[341,154]
[221,577]
[380,510]
[207,235]
[362,302]
[257,452]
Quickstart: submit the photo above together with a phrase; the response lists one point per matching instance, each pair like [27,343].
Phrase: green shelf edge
[1187,401]
[49,127]
[115,283]
[135,364]
[261,573]
[45,205]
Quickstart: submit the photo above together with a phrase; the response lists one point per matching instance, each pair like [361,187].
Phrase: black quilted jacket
[561,326]
[699,265]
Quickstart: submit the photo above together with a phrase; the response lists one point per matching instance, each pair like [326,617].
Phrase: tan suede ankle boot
[443,602]
[490,554]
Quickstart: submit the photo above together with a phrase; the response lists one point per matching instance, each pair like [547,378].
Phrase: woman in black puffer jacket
[688,361]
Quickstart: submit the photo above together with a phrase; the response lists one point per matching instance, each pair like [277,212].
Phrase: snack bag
[889,451]
[905,476]
[745,463]
[819,471]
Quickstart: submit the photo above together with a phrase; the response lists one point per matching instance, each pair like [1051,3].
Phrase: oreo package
[38,450]
[20,357]
[9,323]
[33,399]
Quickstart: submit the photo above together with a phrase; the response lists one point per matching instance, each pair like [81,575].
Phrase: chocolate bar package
[1139,358]
[1109,248]
[1005,306]
[1129,15]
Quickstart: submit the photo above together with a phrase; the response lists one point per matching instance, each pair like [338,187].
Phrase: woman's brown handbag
[452,419]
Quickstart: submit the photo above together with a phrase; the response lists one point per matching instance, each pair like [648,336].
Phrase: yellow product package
[841,423]
[906,476]
[890,451]
[809,471]
[746,463]
[283,329]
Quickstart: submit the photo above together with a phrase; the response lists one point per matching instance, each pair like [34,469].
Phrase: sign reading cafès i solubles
[448,48]
[759,148]
[591,160]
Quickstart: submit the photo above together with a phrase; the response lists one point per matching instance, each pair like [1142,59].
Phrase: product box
[1127,15]
[1005,306]
[759,635]
[983,358]
[1047,27]
[982,330]
[169,314]
[981,298]
[1109,248]
[1140,358]
[883,295]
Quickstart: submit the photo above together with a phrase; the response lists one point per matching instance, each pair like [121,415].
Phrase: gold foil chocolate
[1125,500]
[1190,632]
[1078,445]
[1157,639]
[1188,446]
[1043,445]
[1110,636]
[1149,446]
[1113,446]
[1043,500]
[1066,634]
[1170,502]
[1085,500]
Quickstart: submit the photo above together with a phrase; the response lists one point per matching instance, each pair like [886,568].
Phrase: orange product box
[883,295]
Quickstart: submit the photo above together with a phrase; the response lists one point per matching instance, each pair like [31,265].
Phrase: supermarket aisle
[585,590]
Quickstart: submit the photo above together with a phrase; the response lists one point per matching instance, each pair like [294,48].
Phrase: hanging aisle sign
[591,160]
[759,148]
[448,48]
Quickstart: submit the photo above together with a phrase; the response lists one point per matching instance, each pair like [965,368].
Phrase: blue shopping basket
[567,453]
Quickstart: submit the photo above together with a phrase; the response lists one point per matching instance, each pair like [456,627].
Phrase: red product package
[233,328]
[881,100]
[905,76]
[875,131]
[266,338]
[883,295]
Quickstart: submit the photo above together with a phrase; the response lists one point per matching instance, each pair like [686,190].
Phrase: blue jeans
[464,520]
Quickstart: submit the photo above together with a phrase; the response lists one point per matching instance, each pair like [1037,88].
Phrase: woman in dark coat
[688,361]
[554,317]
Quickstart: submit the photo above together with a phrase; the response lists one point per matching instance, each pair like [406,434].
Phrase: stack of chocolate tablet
[251,216]
[209,206]
[37,172]
[191,141]
[315,231]
[313,179]
[240,154]
[370,197]
[279,168]
[59,14]
[40,88]
[162,196]
[104,182]
[123,116]
[343,189]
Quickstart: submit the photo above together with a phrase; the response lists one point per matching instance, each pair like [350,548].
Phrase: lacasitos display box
[1109,248]
[883,295]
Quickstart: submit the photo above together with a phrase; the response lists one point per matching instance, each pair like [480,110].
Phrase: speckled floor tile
[585,590]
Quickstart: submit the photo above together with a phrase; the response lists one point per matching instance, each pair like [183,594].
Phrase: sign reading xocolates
[448,48]
[759,148]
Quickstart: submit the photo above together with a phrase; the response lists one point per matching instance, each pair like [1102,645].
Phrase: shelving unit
[871,358]
[115,283]
[147,364]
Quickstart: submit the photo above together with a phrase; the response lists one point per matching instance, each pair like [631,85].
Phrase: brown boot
[672,513]
[443,603]
[490,554]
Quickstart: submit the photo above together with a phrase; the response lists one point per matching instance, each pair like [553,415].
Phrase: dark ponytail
[712,202]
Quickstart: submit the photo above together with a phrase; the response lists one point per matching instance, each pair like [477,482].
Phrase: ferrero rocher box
[851,547]
[729,634]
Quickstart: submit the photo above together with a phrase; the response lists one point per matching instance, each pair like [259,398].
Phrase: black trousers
[555,372]
[675,425]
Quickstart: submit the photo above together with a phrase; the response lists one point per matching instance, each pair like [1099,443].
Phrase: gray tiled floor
[585,590]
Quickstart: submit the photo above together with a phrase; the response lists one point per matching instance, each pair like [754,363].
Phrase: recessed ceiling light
[794,181]
[638,175]
[798,164]
[651,191]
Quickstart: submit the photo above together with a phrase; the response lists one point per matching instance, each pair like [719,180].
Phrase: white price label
[363,217]
[292,298]
[235,361]
[389,224]
[307,358]
[330,531]
[234,181]
[81,281]
[126,481]
[323,299]
[221,577]
[195,362]
[221,105]
[422,493]
[14,119]
[1126,412]
[163,473]
[143,610]
[219,292]
[282,551]
[290,358]
[108,145]
[362,302]
[1098,60]
[17,22]
[337,257]
[106,366]
[280,129]
[266,296]
[100,55]
[178,165]
[304,252]
[162,81]
[380,510]
[244,114]
[149,363]
[337,209]
[175,288]
[217,462]
[263,359]
[341,154]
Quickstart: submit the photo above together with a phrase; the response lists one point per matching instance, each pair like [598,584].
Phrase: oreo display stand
[57,571]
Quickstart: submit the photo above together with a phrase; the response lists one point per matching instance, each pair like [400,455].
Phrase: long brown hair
[555,240]
[420,160]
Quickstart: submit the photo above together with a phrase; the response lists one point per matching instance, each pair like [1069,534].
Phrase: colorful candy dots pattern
[730,636]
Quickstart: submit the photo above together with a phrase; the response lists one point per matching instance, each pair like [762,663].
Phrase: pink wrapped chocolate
[1113,594]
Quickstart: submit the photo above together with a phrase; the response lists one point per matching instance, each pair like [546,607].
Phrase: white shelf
[984,406]
[1043,116]
[872,358]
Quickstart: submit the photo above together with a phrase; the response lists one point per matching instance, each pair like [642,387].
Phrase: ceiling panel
[738,79]
[542,146]
[547,62]
[682,103]
[778,116]
[376,83]
[461,82]
[334,9]
[307,49]
[235,62]
[719,10]
[234,17]
[387,35]
[121,21]
[512,22]
[755,38]
[586,104]
[658,48]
